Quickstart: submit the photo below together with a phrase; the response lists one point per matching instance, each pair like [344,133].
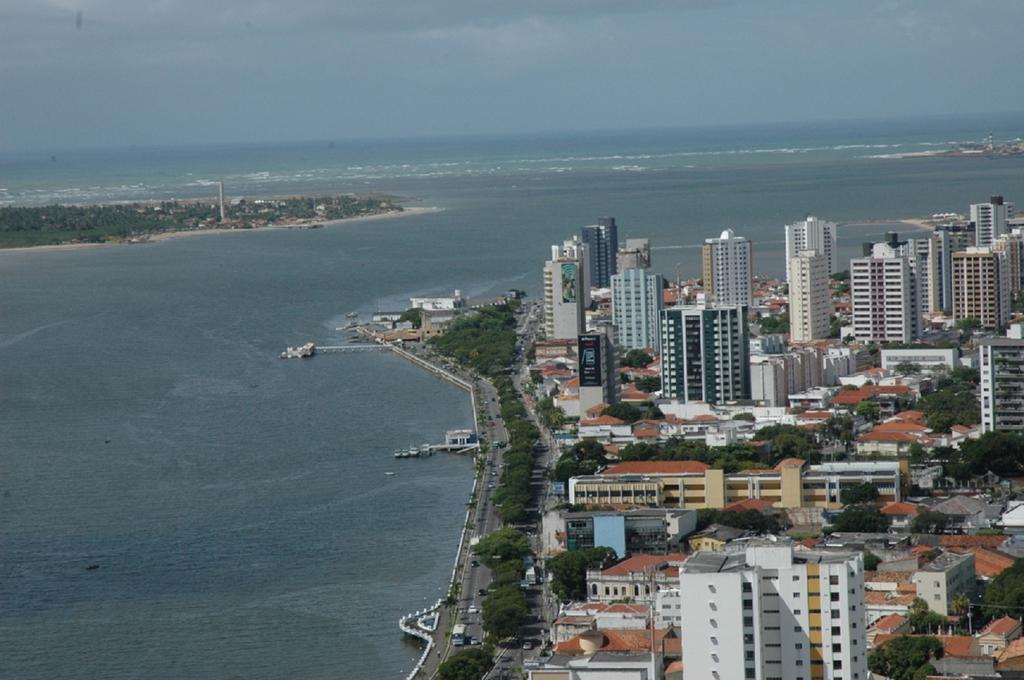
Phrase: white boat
[390,474]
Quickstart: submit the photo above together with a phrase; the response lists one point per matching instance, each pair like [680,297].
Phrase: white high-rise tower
[812,234]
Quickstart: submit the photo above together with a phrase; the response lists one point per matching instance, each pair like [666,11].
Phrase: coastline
[915,222]
[169,235]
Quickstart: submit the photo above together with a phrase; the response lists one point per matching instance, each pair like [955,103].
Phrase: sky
[113,73]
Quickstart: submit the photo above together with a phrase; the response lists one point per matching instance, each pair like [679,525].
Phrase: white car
[473,610]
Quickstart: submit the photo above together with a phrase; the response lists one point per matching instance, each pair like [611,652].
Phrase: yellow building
[693,485]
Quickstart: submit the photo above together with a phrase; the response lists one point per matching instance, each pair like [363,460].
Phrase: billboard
[590,361]
[569,282]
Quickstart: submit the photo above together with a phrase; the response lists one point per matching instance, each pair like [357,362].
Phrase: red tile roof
[1013,650]
[988,563]
[900,509]
[890,623]
[1001,626]
[789,462]
[618,640]
[656,467]
[603,420]
[971,541]
[876,436]
[758,504]
[877,598]
[952,645]
[638,564]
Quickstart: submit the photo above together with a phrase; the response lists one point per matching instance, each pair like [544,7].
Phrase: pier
[354,348]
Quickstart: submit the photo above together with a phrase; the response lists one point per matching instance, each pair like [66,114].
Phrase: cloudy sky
[194,71]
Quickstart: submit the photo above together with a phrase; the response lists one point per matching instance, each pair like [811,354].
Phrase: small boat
[390,474]
[352,315]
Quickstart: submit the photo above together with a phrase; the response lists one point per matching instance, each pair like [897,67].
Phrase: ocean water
[236,504]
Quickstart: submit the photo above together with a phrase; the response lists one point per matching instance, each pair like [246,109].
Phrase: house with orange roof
[960,646]
[1011,658]
[891,624]
[900,514]
[666,641]
[998,635]
[878,605]
[605,428]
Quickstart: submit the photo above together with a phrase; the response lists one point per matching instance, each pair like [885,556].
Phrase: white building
[636,302]
[1002,384]
[565,292]
[990,220]
[810,304]
[635,254]
[774,614]
[728,275]
[942,578]
[812,234]
[885,297]
[927,359]
[768,383]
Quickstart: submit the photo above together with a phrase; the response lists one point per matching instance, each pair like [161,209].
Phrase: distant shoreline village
[853,429]
[150,221]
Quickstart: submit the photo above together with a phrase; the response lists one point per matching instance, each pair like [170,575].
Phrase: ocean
[236,504]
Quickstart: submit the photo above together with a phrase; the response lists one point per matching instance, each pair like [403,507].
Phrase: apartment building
[774,614]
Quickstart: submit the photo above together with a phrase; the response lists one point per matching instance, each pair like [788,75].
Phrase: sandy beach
[915,222]
[169,235]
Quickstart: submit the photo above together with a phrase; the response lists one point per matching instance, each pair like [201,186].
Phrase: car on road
[474,641]
[473,610]
[527,644]
[482,591]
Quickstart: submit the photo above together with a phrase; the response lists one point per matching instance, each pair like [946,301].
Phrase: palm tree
[959,604]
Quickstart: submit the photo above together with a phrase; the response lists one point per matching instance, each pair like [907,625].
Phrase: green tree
[871,561]
[1004,594]
[471,664]
[922,619]
[968,325]
[868,410]
[505,611]
[860,518]
[583,458]
[750,520]
[929,522]
[959,604]
[413,315]
[907,368]
[636,358]
[503,544]
[905,657]
[648,384]
[624,411]
[568,571]
[859,493]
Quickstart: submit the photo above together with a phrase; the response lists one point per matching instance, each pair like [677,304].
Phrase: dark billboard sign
[590,361]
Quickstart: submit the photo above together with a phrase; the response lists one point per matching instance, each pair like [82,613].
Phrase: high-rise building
[1012,246]
[990,219]
[773,613]
[886,296]
[575,249]
[636,302]
[940,271]
[1002,384]
[603,241]
[564,294]
[705,353]
[728,275]
[810,303]
[768,381]
[599,380]
[981,287]
[635,254]
[812,234]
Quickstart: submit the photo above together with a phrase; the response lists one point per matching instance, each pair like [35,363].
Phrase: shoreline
[185,233]
[916,222]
